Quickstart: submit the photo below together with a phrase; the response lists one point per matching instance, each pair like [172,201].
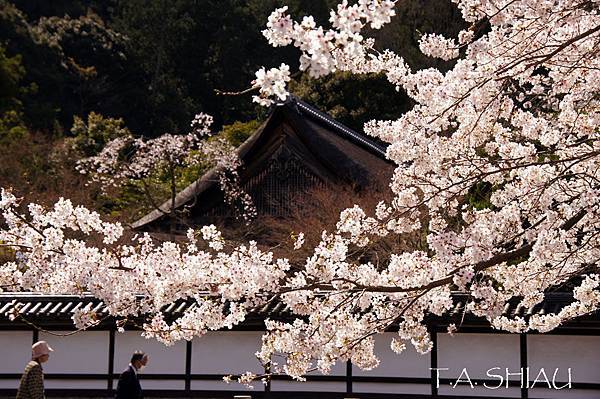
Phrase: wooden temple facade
[296,149]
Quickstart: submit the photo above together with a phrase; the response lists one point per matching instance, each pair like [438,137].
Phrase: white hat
[40,348]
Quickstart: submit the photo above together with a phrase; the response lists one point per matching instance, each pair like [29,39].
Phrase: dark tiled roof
[57,310]
[36,305]
[552,303]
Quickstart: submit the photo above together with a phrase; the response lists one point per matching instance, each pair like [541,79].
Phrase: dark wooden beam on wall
[434,364]
[523,362]
[188,366]
[268,374]
[348,376]
[111,359]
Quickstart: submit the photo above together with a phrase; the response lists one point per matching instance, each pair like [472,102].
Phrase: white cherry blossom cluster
[438,46]
[298,241]
[271,84]
[129,157]
[201,124]
[323,50]
[132,157]
[212,236]
[84,318]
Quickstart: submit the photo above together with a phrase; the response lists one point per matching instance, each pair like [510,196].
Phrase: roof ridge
[315,113]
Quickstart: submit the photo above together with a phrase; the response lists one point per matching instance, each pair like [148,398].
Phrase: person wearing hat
[129,386]
[32,381]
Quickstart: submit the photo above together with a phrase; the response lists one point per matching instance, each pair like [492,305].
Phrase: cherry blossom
[439,47]
[299,241]
[84,318]
[128,157]
[271,84]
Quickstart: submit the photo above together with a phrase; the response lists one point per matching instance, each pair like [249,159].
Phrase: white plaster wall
[222,386]
[580,353]
[542,393]
[83,352]
[74,384]
[9,384]
[407,364]
[313,386]
[15,351]
[478,353]
[162,359]
[229,352]
[465,391]
[232,352]
[372,387]
[226,352]
[159,384]
[338,369]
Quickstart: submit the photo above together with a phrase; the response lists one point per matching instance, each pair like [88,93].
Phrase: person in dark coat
[129,385]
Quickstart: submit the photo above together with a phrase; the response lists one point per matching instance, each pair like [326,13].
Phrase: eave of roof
[57,310]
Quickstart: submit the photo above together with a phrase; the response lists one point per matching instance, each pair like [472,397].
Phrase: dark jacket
[32,382]
[129,386]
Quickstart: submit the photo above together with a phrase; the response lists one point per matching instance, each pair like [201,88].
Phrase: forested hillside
[74,72]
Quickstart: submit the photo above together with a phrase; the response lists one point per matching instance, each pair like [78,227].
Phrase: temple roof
[295,147]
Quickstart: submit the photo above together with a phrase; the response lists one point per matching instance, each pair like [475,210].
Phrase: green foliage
[138,197]
[158,63]
[40,63]
[76,65]
[11,73]
[479,195]
[238,132]
[89,138]
[157,32]
[129,202]
[11,91]
[11,127]
[91,60]
[187,50]
[36,9]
